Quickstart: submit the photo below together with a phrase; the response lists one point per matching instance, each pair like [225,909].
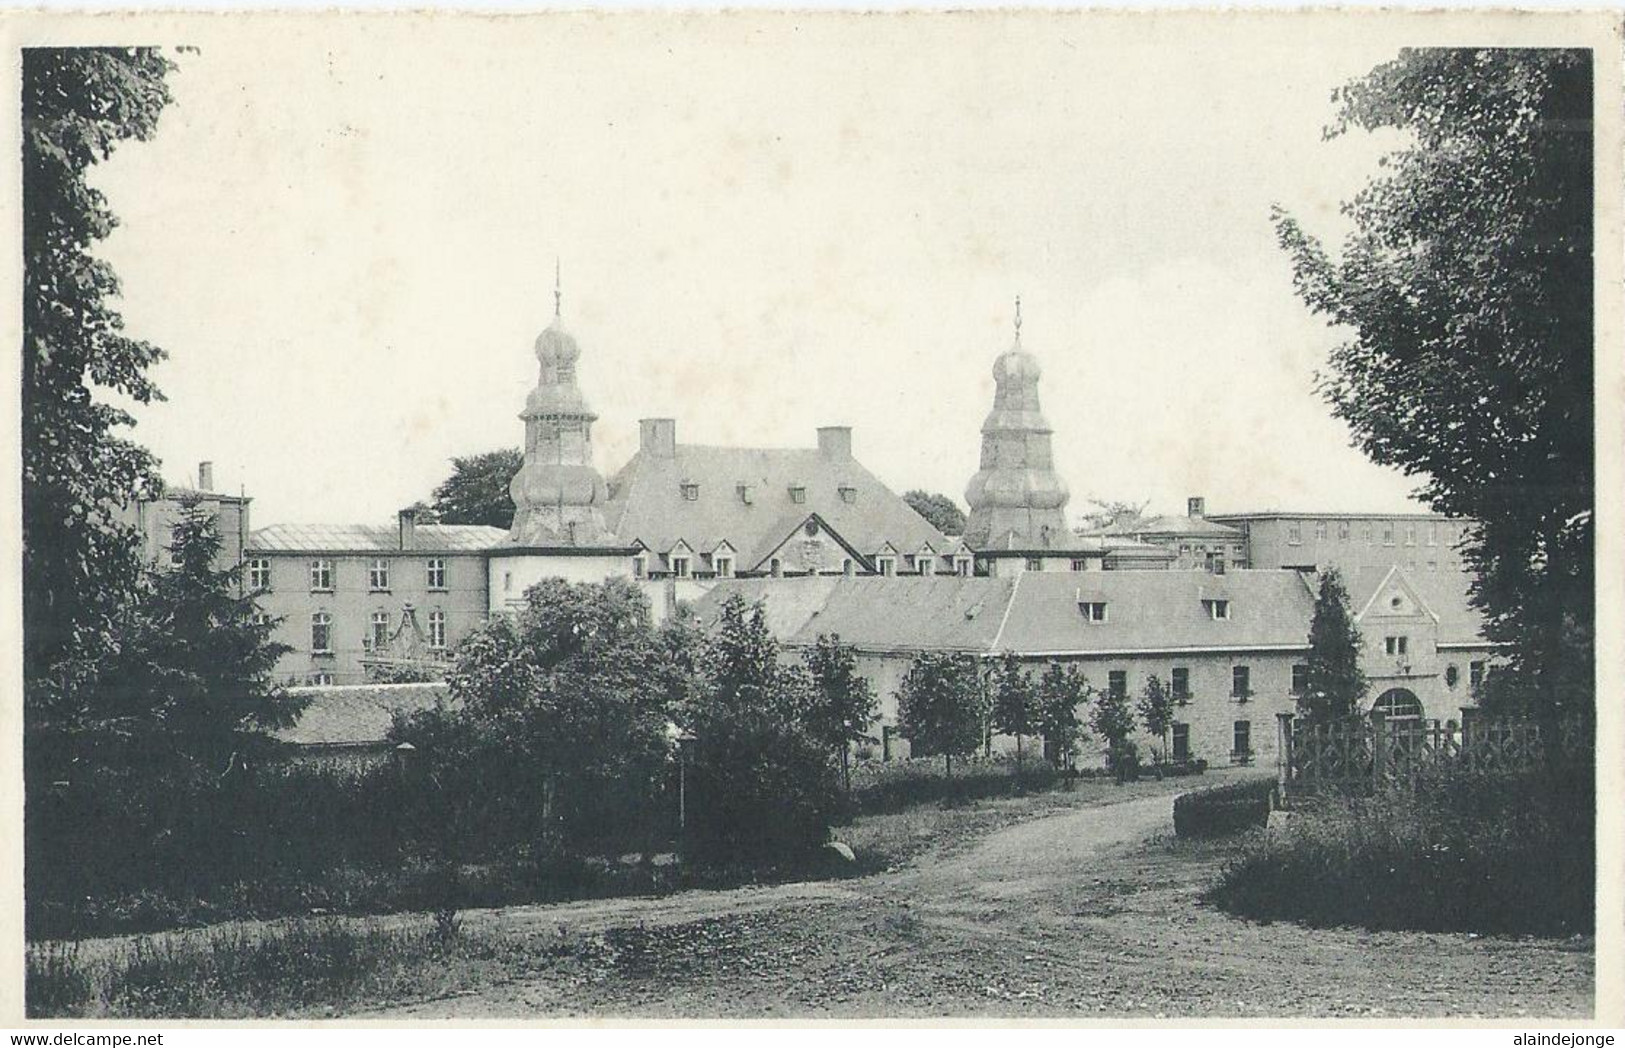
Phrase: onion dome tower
[558,496]
[1016,499]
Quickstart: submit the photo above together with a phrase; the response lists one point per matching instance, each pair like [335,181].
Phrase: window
[321,680]
[1365,533]
[1117,682]
[259,574]
[798,494]
[847,567]
[1218,610]
[437,573]
[1475,676]
[1182,742]
[380,629]
[1241,745]
[437,629]
[1294,534]
[263,620]
[1182,682]
[1320,531]
[745,493]
[1433,565]
[507,582]
[1241,680]
[1080,564]
[886,565]
[849,495]
[1395,645]
[640,567]
[1035,563]
[1343,531]
[962,566]
[321,575]
[927,563]
[724,566]
[1300,678]
[378,574]
[1388,533]
[1433,534]
[775,567]
[321,633]
[1410,534]
[691,492]
[679,567]
[1452,676]
[1093,610]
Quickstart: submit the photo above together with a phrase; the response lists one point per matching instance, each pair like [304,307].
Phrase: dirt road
[1090,913]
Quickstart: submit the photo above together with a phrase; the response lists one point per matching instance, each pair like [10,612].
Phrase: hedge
[1219,810]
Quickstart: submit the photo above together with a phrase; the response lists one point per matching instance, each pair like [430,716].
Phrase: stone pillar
[1283,756]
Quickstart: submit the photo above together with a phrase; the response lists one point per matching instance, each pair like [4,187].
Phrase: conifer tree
[1335,685]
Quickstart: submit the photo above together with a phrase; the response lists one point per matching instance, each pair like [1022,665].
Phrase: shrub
[1227,808]
[896,785]
[1461,851]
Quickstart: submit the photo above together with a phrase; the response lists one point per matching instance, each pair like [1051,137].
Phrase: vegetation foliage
[1335,684]
[942,512]
[1468,285]
[477,490]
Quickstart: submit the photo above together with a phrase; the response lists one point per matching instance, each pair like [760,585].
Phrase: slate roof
[1035,613]
[1444,593]
[1171,524]
[356,714]
[362,538]
[647,504]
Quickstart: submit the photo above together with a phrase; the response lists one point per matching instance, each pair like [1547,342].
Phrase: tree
[81,569]
[764,785]
[1335,684]
[942,512]
[1061,691]
[1468,283]
[842,704]
[941,706]
[1015,701]
[477,490]
[564,702]
[1112,720]
[1157,710]
[1109,513]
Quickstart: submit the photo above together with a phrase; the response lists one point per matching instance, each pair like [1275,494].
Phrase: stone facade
[1418,542]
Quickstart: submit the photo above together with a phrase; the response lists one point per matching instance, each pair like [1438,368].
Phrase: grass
[303,967]
[1510,854]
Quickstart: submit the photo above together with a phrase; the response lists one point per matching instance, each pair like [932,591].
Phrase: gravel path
[1094,912]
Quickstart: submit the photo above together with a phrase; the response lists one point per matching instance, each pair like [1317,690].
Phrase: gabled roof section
[1157,611]
[1174,525]
[357,714]
[363,538]
[775,540]
[647,504]
[1445,594]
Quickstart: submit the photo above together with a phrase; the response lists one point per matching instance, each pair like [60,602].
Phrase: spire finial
[1018,318]
[558,287]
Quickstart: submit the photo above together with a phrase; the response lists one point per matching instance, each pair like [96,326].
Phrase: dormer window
[925,563]
[691,492]
[775,568]
[847,567]
[849,495]
[1217,610]
[962,567]
[724,567]
[798,494]
[1093,610]
[679,567]
[886,565]
[640,567]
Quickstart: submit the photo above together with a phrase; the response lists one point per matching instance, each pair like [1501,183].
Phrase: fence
[1355,756]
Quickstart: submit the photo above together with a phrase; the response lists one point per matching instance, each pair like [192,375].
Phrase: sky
[345,238]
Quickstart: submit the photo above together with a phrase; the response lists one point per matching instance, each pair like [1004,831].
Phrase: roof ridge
[1009,602]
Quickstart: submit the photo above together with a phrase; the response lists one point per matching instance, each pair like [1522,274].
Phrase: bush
[1462,851]
[896,785]
[1224,809]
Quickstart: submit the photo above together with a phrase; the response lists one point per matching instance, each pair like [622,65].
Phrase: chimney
[1195,507]
[658,437]
[205,476]
[409,528]
[835,441]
